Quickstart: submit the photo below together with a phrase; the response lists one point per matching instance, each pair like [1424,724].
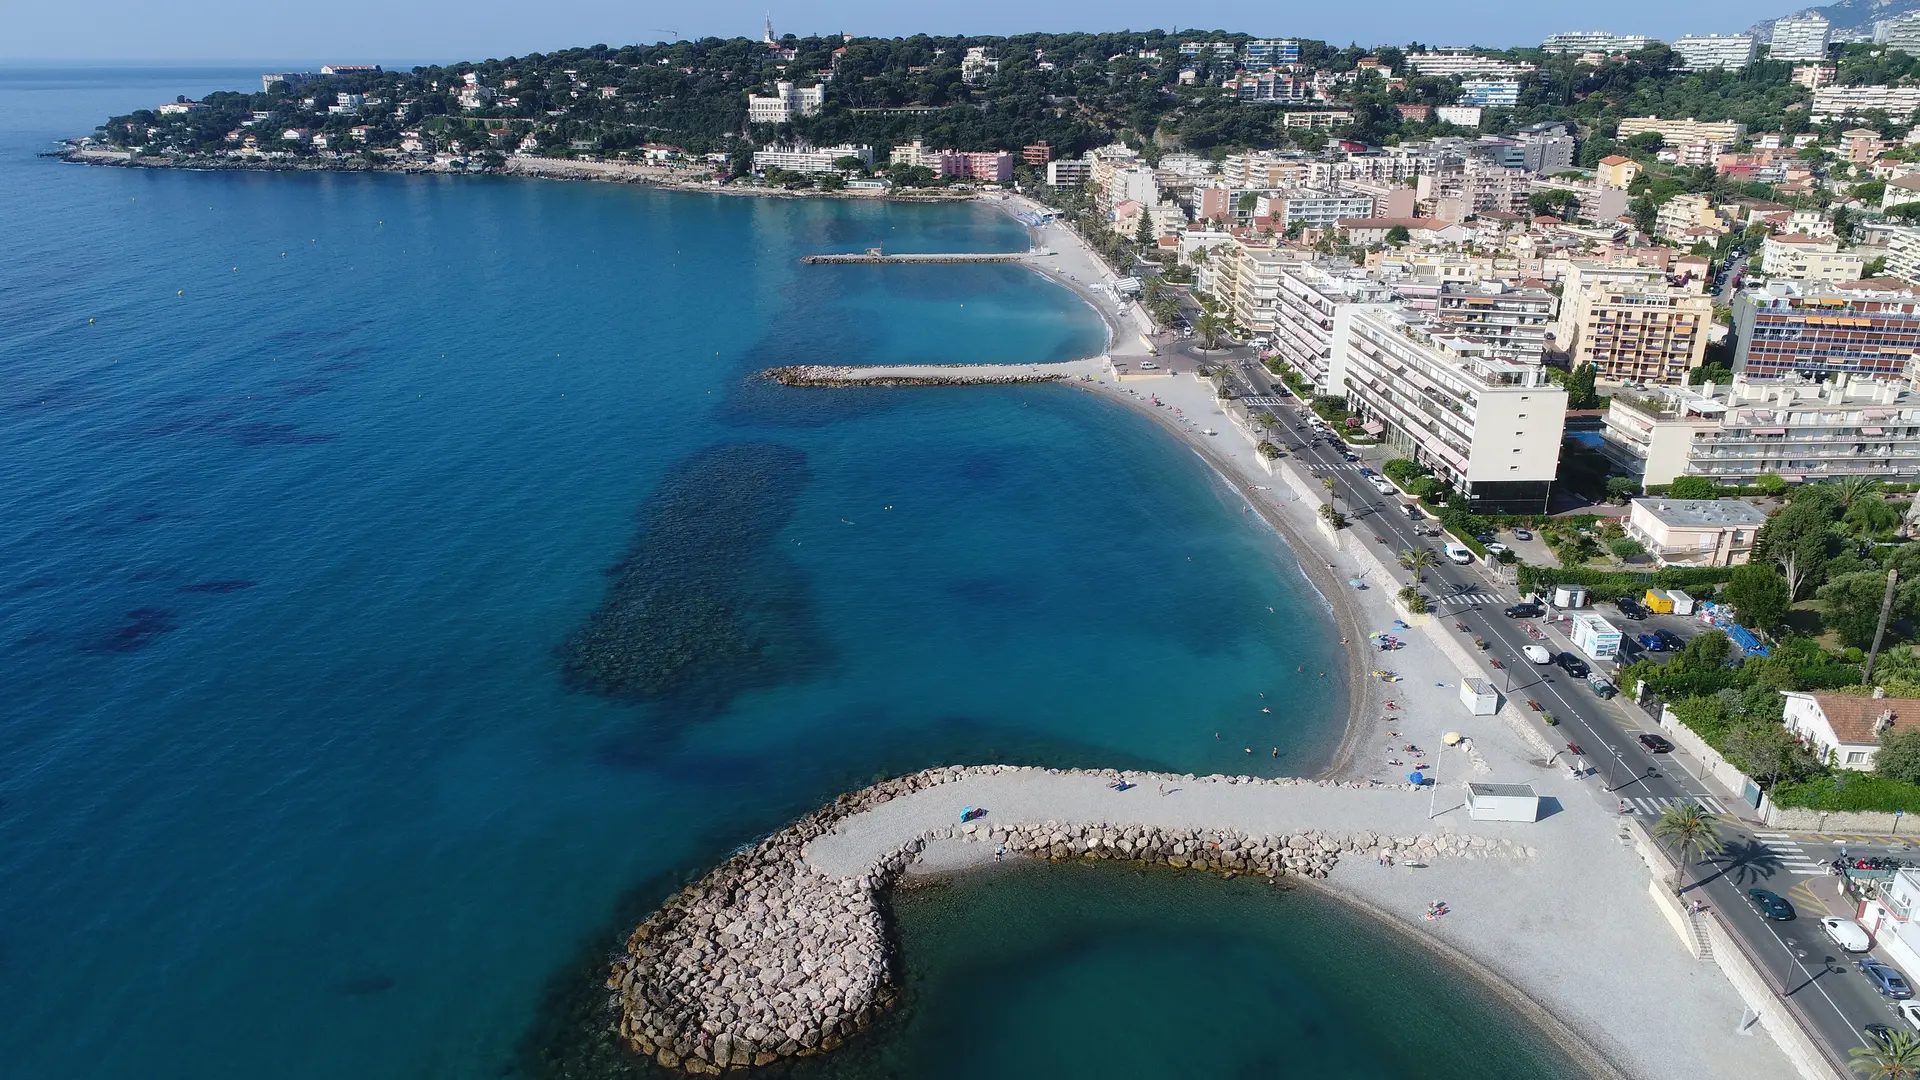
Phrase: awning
[1873,431]
[1768,431]
[1373,427]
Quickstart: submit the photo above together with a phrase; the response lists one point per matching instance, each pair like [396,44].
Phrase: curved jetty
[935,374]
[782,949]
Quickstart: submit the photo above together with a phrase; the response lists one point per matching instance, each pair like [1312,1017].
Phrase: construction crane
[655,30]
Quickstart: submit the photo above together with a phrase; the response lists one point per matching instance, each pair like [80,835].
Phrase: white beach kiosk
[1479,696]
[1502,802]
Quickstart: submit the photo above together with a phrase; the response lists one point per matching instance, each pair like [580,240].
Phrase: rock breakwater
[929,375]
[769,956]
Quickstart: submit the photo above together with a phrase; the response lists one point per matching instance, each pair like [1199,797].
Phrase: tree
[1899,755]
[850,163]
[1871,518]
[1692,487]
[1627,548]
[1646,212]
[1852,604]
[1210,329]
[1418,561]
[1690,833]
[1800,538]
[1770,484]
[1898,1058]
[1398,236]
[1143,235]
[1767,749]
[1759,594]
[1621,488]
[1333,517]
[1850,489]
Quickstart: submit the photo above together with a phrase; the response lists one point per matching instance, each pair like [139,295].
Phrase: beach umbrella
[1452,738]
[1416,779]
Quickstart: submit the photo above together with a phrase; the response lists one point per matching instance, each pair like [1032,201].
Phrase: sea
[406,583]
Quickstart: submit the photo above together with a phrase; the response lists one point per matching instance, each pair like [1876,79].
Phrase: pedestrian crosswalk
[1651,805]
[1793,859]
[1265,399]
[1350,466]
[1466,599]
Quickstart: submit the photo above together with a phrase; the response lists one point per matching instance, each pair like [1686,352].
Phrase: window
[1856,757]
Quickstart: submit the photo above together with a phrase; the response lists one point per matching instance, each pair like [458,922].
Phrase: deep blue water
[404,577]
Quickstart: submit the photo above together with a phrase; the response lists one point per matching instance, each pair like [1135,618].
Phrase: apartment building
[1903,253]
[1272,53]
[1630,324]
[1271,86]
[1490,93]
[786,103]
[1542,149]
[809,159]
[1699,51]
[1459,63]
[1466,116]
[1246,277]
[1801,37]
[1681,132]
[1683,213]
[1305,316]
[1490,427]
[1865,328]
[1843,102]
[1800,430]
[1511,320]
[1070,172]
[1617,171]
[1586,41]
[1312,209]
[1901,32]
[1695,532]
[1598,202]
[1799,257]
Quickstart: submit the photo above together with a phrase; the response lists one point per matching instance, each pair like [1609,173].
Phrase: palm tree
[1898,1058]
[1418,561]
[1690,833]
[1333,497]
[1851,489]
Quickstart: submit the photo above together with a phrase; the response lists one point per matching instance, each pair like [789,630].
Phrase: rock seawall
[812,375]
[769,957]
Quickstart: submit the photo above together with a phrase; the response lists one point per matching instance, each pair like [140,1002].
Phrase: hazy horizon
[227,32]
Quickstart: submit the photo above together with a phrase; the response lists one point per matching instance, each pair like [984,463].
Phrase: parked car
[1525,611]
[1364,471]
[1674,642]
[1650,642]
[1496,548]
[1536,653]
[1350,455]
[1888,982]
[1771,905]
[1910,1012]
[1485,538]
[1601,686]
[1877,1034]
[1846,933]
[1382,486]
[1655,744]
[1573,665]
[1522,534]
[1630,608]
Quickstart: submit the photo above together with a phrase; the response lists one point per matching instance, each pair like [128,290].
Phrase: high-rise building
[1900,32]
[1300,310]
[1460,63]
[1490,427]
[1801,37]
[1899,102]
[1716,50]
[1903,253]
[1867,328]
[1501,93]
[1584,41]
[1630,324]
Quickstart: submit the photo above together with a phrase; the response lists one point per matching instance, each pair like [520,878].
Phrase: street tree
[1759,594]
[1690,833]
[1418,561]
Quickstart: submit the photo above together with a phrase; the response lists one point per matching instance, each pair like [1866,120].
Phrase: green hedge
[1607,584]
[1851,791]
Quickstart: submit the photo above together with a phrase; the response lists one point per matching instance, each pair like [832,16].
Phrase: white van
[1459,552]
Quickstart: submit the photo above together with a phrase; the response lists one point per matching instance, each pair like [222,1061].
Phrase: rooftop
[1702,513]
[1853,718]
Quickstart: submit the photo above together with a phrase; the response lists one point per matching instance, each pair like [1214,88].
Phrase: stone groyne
[771,956]
[927,259]
[933,374]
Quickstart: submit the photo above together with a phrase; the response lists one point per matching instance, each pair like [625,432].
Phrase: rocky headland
[771,955]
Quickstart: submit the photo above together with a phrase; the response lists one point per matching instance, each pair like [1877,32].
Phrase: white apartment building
[1490,427]
[1458,63]
[1510,320]
[1495,93]
[809,159]
[1306,302]
[1069,172]
[1731,434]
[1313,209]
[1716,50]
[786,103]
[1901,32]
[1903,253]
[1840,102]
[1677,132]
[1799,257]
[1584,41]
[1801,37]
[1467,116]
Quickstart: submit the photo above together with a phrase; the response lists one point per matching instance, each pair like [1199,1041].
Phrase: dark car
[1525,611]
[1630,608]
[1674,642]
[1650,642]
[1877,1034]
[1573,665]
[1887,981]
[1772,906]
[1364,471]
[1350,456]
[1655,744]
[1485,538]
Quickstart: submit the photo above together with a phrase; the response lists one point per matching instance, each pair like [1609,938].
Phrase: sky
[418,31]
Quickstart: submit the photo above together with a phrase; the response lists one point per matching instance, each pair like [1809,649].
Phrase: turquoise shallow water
[405,579]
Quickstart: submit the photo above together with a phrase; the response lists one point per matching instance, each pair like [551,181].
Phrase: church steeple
[769,38]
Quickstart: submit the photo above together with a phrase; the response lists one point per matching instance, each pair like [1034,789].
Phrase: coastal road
[1817,980]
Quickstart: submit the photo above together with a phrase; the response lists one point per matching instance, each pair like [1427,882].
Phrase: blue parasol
[1417,779]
